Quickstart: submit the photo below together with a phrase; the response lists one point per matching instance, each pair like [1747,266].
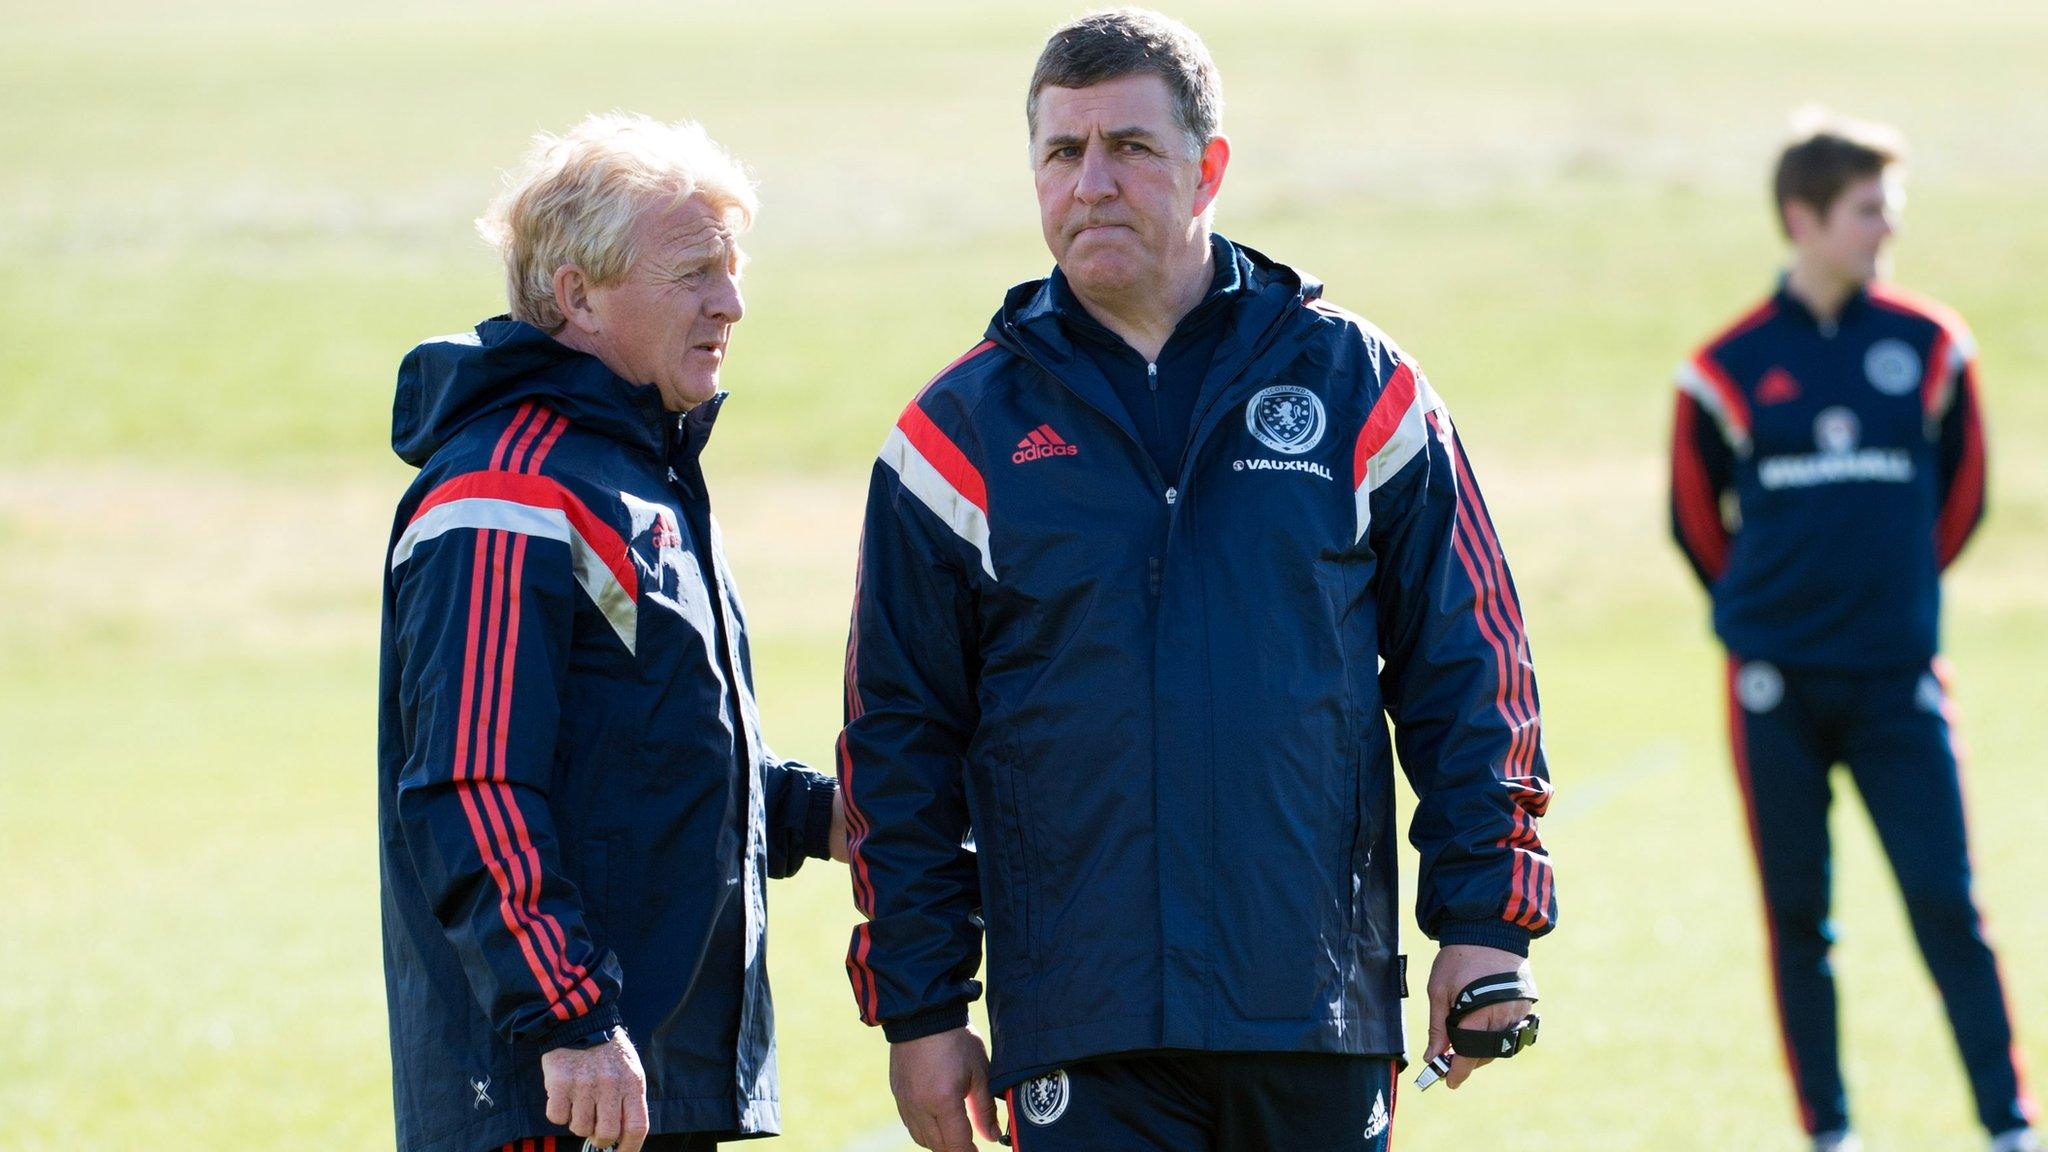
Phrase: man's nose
[1096,182]
[726,304]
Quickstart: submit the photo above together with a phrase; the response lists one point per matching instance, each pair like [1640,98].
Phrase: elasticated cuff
[929,1022]
[1487,934]
[603,1015]
[817,841]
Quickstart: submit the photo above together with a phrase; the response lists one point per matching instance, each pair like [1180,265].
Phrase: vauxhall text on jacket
[1130,724]
[576,808]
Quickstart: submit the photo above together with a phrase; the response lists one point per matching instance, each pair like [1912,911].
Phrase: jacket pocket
[1358,862]
[1012,919]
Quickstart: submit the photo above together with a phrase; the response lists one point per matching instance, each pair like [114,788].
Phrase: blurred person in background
[1113,691]
[576,807]
[1827,467]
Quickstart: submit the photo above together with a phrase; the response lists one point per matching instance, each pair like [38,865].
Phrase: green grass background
[221,223]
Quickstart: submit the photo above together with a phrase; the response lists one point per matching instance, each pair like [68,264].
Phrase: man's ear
[1214,160]
[572,299]
[1800,220]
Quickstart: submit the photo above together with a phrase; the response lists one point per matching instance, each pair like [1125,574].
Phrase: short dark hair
[1103,46]
[1827,154]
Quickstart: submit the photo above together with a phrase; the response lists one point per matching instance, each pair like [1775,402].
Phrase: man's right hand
[939,1081]
[600,1093]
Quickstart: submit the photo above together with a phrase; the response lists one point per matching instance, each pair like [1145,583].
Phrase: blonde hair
[575,197]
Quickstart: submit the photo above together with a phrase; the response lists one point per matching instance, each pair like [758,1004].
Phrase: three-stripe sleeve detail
[1498,618]
[857,824]
[507,507]
[1694,502]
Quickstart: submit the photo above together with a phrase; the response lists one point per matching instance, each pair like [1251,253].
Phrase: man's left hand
[1456,966]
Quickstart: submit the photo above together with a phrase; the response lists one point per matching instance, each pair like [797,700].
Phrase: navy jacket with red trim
[576,808]
[1823,476]
[1130,727]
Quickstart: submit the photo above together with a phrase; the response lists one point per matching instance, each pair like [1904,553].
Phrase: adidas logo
[1041,443]
[1777,387]
[1376,1124]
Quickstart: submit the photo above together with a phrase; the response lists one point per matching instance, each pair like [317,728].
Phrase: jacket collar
[1796,310]
[1269,295]
[444,384]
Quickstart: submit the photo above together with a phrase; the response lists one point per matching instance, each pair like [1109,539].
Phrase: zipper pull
[1152,376]
[1172,494]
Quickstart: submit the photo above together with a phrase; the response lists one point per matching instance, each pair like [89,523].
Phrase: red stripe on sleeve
[1699,508]
[864,976]
[857,824]
[526,438]
[492,720]
[556,941]
[937,448]
[547,444]
[1380,425]
[1732,401]
[1492,588]
[462,773]
[1520,668]
[963,358]
[539,492]
[1937,372]
[1898,299]
[1499,622]
[511,433]
[1965,500]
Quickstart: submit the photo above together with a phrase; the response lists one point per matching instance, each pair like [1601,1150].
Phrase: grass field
[221,224]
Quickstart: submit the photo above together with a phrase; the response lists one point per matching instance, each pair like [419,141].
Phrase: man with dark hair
[1827,466]
[1115,693]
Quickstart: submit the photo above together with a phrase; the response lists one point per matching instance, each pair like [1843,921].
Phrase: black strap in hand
[1484,1043]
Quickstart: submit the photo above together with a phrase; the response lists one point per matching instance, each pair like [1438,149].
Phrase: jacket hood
[449,381]
[1270,289]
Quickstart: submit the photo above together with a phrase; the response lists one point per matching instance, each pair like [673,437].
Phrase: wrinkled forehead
[690,229]
[1131,104]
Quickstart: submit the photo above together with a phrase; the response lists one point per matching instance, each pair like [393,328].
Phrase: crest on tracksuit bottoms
[1044,1098]
[1759,686]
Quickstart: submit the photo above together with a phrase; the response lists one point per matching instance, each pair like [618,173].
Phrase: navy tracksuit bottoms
[1207,1102]
[1789,727]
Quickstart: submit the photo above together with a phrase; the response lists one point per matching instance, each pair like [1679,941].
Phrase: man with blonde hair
[576,807]
[1827,468]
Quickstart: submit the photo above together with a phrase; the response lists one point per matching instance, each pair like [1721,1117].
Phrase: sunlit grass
[221,227]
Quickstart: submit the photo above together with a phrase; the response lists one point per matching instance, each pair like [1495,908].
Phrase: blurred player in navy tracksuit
[1827,465]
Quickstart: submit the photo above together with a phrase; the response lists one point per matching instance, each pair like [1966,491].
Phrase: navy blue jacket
[1824,476]
[1130,724]
[576,809]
